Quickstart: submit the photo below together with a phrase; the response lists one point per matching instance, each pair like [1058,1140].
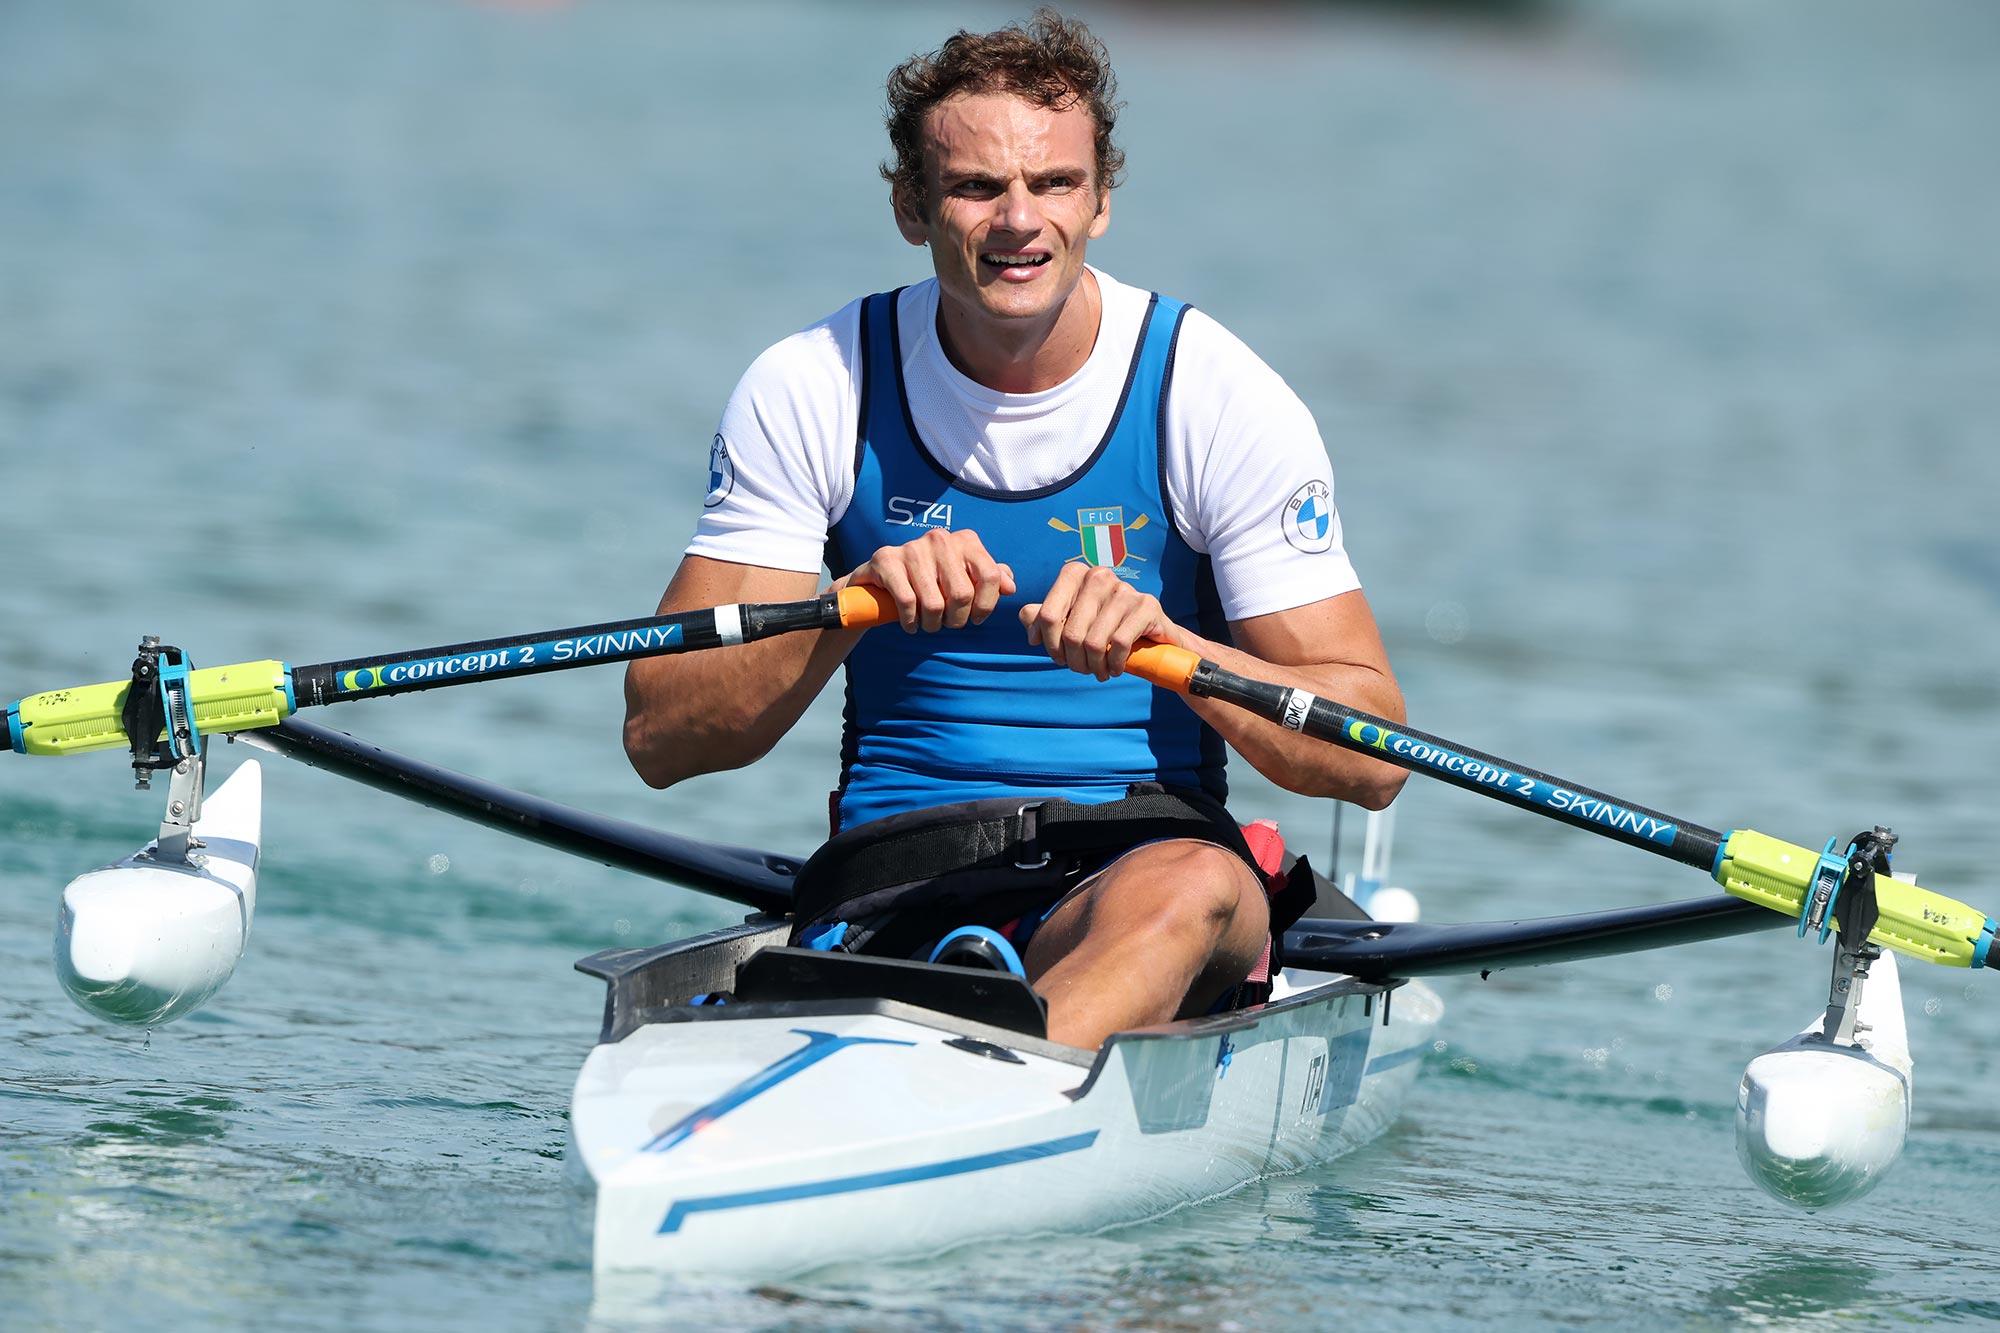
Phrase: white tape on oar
[729,625]
[1298,707]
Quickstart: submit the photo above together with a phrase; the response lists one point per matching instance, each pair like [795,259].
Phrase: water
[1656,348]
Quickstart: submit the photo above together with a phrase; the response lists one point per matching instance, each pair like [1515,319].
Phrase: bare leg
[1161,932]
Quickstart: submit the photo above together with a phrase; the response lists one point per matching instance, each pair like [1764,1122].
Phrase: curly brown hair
[1050,60]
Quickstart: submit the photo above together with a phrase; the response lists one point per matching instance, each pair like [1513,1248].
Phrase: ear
[910,219]
[1102,222]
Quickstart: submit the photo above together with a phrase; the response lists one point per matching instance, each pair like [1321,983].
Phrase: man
[1041,466]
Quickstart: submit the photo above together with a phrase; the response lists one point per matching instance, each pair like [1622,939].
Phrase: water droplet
[1663,992]
[1596,1056]
[1446,622]
[437,863]
[1933,1007]
[1968,992]
[527,888]
[622,926]
[1440,1046]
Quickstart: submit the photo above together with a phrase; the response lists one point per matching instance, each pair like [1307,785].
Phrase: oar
[760,880]
[248,695]
[1752,866]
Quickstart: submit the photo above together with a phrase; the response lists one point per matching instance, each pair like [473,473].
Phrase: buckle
[1029,815]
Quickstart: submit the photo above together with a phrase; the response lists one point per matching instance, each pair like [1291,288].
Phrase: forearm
[725,707]
[1300,763]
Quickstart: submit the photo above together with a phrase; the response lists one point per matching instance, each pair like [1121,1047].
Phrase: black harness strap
[991,859]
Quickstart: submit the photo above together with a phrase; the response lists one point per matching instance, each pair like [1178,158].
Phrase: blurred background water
[1657,346]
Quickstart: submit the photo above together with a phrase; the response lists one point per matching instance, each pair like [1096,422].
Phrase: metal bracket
[184,789]
[1843,1001]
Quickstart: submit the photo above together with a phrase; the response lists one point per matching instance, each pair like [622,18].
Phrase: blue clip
[824,938]
[17,735]
[1984,944]
[1823,893]
[174,681]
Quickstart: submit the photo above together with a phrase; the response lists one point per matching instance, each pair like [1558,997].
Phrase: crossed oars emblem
[1133,526]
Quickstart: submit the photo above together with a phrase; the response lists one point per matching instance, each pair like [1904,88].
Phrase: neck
[1022,355]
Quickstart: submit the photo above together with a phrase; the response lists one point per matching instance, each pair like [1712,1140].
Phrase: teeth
[1017,261]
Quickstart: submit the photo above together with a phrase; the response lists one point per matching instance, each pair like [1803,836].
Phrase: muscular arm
[1333,649]
[724,708]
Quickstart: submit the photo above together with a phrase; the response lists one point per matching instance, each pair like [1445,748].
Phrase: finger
[1031,622]
[1145,620]
[1113,611]
[1054,611]
[886,572]
[958,580]
[991,579]
[1085,627]
[920,559]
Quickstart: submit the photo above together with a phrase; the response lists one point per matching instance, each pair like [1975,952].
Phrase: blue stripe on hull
[1395,1058]
[686,1208]
[819,1045]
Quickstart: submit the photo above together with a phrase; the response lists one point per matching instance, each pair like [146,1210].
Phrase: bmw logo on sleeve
[721,474]
[1308,518]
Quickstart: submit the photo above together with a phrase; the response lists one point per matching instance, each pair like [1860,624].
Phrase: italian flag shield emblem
[1103,532]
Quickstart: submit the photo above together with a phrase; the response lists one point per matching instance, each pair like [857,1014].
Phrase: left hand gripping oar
[247,695]
[1806,885]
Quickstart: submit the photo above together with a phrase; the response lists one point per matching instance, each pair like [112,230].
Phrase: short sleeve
[781,466]
[1249,477]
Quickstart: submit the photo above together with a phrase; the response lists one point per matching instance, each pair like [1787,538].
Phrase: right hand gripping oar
[1812,887]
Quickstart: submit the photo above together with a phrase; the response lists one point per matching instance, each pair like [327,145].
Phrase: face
[1014,200]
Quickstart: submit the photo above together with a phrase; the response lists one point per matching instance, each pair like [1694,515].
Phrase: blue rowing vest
[974,713]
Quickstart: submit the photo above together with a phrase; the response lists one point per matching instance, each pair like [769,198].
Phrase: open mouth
[1005,261]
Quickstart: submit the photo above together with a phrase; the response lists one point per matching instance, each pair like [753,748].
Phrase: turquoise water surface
[1657,347]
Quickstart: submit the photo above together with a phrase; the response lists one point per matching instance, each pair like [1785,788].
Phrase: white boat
[844,1108]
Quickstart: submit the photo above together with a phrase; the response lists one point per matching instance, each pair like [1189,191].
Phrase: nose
[1018,211]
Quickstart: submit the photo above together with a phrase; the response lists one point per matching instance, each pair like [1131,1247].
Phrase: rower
[1041,465]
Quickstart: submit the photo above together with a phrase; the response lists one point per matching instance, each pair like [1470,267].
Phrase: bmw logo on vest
[721,474]
[1308,518]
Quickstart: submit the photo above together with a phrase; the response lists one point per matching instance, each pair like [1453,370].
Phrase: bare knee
[1198,886]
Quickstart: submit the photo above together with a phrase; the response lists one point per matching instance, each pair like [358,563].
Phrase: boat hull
[757,1140]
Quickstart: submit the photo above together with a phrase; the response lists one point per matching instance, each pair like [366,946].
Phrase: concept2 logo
[905,512]
[1103,535]
[1476,772]
[502,658]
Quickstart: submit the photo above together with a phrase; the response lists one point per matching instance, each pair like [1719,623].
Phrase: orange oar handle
[863,606]
[1163,664]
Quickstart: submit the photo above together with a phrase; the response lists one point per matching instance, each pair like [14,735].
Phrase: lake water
[1658,350]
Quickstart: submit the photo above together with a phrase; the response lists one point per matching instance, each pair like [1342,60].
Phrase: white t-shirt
[1246,472]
